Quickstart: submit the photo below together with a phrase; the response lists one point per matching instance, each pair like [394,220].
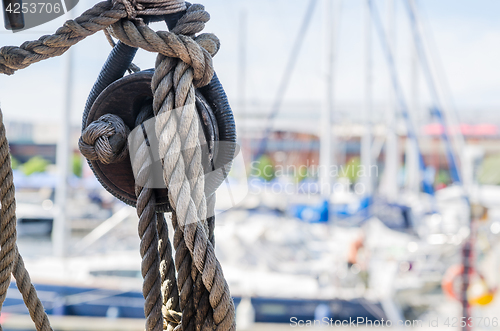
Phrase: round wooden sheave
[125,98]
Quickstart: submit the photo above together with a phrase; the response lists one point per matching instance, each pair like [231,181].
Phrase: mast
[437,107]
[327,145]
[242,79]
[286,78]
[61,230]
[412,154]
[391,151]
[366,141]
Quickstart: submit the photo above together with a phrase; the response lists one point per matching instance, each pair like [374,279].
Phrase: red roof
[478,130]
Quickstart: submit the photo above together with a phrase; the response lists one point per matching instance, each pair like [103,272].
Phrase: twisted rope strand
[30,297]
[142,164]
[151,289]
[195,235]
[8,231]
[179,87]
[168,280]
[183,264]
[11,261]
[136,34]
[148,227]
[91,21]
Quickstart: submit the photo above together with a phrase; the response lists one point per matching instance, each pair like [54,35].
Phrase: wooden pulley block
[125,98]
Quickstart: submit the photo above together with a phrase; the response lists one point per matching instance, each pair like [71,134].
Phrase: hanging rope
[184,63]
[11,261]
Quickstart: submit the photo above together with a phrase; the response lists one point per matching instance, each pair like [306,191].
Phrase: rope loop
[197,52]
[105,140]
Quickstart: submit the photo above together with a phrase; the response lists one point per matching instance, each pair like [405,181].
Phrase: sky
[466,35]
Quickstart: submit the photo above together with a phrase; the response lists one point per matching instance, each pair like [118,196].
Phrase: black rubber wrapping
[227,151]
[215,94]
[114,68]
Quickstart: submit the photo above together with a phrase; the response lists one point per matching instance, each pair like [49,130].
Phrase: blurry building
[27,140]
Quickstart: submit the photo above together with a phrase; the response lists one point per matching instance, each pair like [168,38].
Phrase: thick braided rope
[171,145]
[194,234]
[148,227]
[151,288]
[191,152]
[30,297]
[10,259]
[192,22]
[142,164]
[203,320]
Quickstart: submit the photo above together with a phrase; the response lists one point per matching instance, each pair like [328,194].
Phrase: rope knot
[105,140]
[180,42]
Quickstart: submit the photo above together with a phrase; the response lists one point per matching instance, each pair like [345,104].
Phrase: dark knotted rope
[105,140]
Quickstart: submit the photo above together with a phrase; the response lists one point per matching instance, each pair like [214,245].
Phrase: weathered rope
[187,299]
[165,271]
[173,86]
[193,52]
[183,264]
[8,231]
[146,210]
[105,140]
[11,261]
[135,34]
[184,63]
[191,152]
[30,297]
[194,233]
[169,290]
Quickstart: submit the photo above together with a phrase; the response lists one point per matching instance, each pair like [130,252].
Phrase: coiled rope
[184,63]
